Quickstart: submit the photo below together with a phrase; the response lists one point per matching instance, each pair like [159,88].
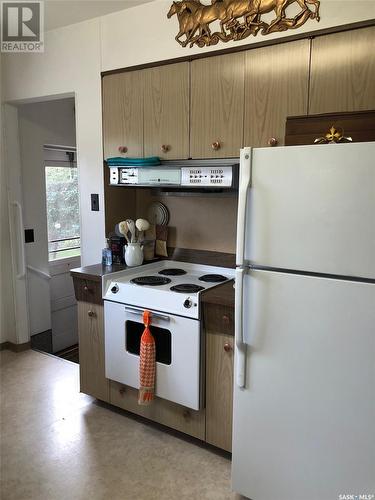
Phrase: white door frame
[14,183]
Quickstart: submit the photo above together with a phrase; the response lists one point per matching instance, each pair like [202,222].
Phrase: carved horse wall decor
[237,19]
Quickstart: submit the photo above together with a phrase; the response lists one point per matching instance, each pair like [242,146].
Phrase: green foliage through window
[62,212]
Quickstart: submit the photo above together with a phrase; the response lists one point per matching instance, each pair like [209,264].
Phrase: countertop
[222,295]
[96,271]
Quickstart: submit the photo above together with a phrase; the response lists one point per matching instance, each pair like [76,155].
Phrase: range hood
[188,176]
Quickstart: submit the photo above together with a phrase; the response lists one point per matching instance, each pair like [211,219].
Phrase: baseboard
[14,347]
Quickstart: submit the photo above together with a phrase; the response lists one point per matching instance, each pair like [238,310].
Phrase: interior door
[303,424]
[310,208]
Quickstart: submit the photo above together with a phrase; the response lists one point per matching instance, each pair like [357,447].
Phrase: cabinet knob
[91,313]
[165,148]
[227,347]
[273,142]
[226,319]
[122,391]
[186,414]
[123,149]
[216,145]
[86,288]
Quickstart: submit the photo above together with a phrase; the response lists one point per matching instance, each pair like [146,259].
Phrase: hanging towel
[147,363]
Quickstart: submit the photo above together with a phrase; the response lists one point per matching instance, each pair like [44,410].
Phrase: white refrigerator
[304,397]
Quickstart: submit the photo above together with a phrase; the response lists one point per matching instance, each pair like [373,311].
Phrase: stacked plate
[158,214]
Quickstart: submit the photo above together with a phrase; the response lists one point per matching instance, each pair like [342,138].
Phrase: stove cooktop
[167,286]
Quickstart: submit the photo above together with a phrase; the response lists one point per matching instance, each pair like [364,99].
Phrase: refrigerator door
[304,422]
[310,208]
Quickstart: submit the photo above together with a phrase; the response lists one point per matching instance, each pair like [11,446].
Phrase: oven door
[178,346]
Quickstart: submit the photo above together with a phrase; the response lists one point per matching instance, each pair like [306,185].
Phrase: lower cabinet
[162,411]
[91,350]
[219,377]
[212,424]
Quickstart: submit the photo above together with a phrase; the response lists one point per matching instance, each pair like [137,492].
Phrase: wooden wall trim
[250,46]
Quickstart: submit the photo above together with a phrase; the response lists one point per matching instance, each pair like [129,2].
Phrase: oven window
[163,341]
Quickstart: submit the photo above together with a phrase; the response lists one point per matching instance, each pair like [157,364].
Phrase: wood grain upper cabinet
[166,111]
[217,98]
[91,350]
[343,72]
[123,113]
[276,86]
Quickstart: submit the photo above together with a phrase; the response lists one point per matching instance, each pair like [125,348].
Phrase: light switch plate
[95,202]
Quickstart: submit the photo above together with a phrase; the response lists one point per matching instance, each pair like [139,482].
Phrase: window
[62,210]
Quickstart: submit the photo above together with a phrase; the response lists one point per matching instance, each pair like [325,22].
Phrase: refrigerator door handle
[244,184]
[240,363]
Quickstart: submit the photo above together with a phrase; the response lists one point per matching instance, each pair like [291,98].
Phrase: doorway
[49,172]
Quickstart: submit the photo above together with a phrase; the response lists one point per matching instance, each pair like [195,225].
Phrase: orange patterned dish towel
[147,363]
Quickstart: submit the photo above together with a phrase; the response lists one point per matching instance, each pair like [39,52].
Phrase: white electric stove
[168,286]
[171,291]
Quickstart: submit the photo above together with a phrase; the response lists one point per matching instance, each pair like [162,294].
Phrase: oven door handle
[139,312]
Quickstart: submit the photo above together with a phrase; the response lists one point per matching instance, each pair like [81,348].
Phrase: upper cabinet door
[166,111]
[123,114]
[343,72]
[276,86]
[217,100]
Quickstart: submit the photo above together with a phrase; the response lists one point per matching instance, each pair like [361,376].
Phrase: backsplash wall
[196,222]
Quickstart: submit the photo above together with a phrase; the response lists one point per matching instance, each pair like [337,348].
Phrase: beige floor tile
[58,444]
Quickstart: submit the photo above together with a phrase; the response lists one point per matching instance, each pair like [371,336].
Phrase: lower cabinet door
[91,351]
[219,389]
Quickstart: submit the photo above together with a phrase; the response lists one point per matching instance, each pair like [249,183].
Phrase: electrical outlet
[95,202]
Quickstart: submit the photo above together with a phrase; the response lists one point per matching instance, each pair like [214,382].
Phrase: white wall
[143,34]
[70,64]
[50,122]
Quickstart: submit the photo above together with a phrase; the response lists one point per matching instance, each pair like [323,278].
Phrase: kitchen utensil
[123,229]
[142,225]
[131,227]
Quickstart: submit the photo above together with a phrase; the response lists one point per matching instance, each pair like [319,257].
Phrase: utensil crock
[133,254]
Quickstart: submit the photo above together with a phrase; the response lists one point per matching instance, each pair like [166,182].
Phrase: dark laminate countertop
[222,295]
[96,271]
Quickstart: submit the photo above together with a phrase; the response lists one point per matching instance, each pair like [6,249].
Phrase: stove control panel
[175,176]
[207,176]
